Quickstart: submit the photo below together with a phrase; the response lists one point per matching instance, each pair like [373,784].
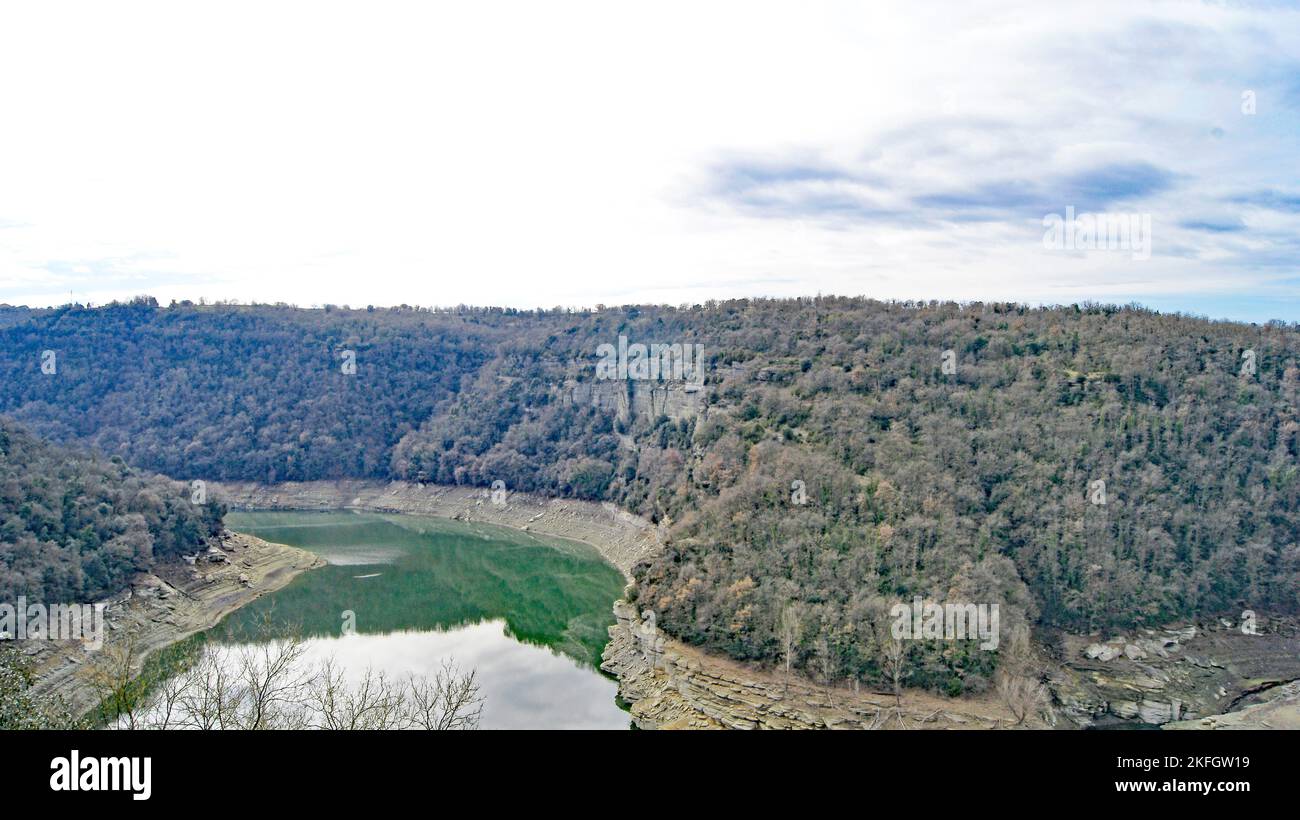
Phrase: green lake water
[530,614]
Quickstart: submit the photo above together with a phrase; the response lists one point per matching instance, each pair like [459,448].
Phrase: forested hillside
[75,527]
[253,393]
[1086,467]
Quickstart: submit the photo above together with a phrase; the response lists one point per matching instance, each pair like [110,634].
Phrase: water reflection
[529,614]
[524,687]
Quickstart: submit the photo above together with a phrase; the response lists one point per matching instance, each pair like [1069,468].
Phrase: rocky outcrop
[632,399]
[673,686]
[1160,676]
[676,400]
[1277,707]
[620,537]
[1192,674]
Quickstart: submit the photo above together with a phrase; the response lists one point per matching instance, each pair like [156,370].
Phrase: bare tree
[828,665]
[1023,696]
[166,707]
[894,662]
[208,701]
[113,676]
[373,704]
[274,682]
[449,701]
[1019,678]
[265,684]
[790,627]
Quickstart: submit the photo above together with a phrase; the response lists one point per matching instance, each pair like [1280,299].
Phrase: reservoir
[403,593]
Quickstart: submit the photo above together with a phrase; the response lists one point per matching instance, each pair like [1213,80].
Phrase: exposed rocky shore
[621,538]
[1277,707]
[168,605]
[1182,673]
[1211,676]
[674,686]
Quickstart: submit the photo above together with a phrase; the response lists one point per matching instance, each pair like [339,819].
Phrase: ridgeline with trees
[1084,467]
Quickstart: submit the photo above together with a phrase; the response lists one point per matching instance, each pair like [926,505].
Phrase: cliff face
[637,399]
[676,400]
[673,686]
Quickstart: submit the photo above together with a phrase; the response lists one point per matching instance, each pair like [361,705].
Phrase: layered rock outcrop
[1159,676]
[673,686]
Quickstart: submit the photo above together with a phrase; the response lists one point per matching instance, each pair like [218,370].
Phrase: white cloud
[538,154]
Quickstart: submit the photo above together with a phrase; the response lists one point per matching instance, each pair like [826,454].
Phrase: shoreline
[670,685]
[168,605]
[620,537]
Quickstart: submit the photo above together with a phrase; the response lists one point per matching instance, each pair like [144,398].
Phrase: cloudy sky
[572,153]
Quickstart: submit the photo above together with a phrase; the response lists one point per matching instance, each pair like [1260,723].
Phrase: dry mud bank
[168,605]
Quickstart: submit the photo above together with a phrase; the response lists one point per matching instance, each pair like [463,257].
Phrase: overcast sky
[564,153]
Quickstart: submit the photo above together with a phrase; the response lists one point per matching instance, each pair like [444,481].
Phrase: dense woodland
[977,485]
[232,393]
[75,527]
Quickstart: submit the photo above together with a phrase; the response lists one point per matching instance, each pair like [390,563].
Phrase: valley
[767,516]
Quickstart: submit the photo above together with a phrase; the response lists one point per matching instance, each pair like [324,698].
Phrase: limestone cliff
[636,399]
